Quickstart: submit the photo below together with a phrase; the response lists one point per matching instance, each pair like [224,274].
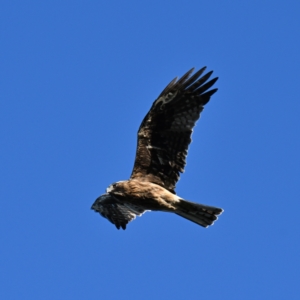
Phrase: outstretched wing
[120,214]
[165,132]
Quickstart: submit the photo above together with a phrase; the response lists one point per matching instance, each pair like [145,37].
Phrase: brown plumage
[163,139]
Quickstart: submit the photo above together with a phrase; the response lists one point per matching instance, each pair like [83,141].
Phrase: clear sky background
[77,78]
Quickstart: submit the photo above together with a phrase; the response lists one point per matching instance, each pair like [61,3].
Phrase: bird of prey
[163,140]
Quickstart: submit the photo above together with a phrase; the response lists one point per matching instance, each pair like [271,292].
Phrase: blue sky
[77,78]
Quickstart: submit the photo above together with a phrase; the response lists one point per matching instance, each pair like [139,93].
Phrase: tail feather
[201,214]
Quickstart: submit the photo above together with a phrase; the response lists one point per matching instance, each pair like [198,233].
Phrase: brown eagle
[163,140]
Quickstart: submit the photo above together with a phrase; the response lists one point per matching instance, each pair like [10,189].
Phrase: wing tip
[119,226]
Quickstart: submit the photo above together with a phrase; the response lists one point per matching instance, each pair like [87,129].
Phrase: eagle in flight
[163,140]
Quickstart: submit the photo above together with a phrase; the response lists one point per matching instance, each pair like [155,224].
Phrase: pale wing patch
[165,99]
[136,209]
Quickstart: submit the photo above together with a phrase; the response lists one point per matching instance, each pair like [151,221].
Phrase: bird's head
[114,187]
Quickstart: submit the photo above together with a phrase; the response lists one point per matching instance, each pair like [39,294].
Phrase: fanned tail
[201,214]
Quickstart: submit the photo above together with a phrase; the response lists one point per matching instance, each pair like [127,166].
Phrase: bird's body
[163,140]
[154,197]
